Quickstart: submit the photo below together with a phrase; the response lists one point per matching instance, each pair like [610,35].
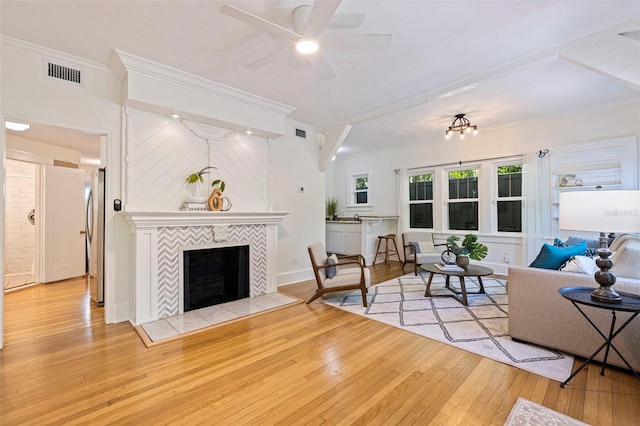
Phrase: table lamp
[601,210]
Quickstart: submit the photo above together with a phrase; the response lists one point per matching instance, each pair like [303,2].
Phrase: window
[421,201]
[509,204]
[361,186]
[463,200]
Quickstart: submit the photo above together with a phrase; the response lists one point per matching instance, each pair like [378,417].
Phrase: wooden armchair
[351,273]
[419,248]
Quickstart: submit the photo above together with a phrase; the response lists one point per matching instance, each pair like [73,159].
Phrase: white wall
[19,233]
[21,144]
[601,125]
[294,164]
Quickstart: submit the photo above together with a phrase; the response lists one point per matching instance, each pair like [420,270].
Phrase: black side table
[629,303]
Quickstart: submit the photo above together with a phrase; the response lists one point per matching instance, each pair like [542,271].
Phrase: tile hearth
[197,319]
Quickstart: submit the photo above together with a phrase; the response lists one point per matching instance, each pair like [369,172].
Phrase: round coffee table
[469,271]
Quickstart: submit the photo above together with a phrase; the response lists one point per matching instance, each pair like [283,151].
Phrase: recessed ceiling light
[19,127]
[307,46]
[175,116]
[249,132]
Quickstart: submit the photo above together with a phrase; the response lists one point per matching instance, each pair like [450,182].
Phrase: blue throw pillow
[332,270]
[551,257]
[416,246]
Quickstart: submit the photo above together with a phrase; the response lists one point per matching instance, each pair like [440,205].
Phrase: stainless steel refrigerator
[95,237]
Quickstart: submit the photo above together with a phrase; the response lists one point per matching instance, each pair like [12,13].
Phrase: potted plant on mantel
[332,208]
[197,179]
[469,248]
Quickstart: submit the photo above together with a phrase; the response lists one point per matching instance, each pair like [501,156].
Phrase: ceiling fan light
[475,130]
[307,46]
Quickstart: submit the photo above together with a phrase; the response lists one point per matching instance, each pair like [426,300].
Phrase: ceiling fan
[308,24]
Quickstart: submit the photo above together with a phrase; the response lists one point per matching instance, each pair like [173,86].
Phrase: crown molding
[122,63]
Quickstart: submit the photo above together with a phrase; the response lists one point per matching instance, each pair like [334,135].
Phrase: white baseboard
[292,277]
[121,312]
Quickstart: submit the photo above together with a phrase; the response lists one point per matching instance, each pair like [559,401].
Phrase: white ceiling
[496,61]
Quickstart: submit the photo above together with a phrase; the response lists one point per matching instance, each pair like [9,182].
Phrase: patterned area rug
[481,328]
[527,413]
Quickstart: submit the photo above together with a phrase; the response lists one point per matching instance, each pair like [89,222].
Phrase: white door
[63,217]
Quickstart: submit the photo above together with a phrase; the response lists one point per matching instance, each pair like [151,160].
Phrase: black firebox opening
[215,275]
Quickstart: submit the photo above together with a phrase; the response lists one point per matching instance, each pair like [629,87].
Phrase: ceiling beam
[608,53]
[332,141]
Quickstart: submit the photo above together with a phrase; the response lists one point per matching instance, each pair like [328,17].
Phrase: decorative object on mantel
[569,180]
[615,211]
[462,126]
[469,248]
[332,207]
[216,200]
[196,179]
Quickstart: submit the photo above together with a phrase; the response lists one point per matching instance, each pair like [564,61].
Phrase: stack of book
[194,207]
[450,267]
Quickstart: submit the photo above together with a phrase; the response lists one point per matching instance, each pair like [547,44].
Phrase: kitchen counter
[349,236]
[362,218]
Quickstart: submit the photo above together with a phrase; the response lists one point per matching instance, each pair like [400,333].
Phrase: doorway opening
[48,170]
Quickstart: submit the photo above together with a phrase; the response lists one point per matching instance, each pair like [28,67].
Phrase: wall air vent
[301,133]
[61,72]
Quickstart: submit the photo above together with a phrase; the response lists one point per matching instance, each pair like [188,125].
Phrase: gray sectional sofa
[539,314]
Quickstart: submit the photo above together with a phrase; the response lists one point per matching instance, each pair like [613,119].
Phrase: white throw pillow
[581,264]
[426,247]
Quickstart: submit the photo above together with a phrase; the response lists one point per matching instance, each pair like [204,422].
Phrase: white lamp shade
[600,211]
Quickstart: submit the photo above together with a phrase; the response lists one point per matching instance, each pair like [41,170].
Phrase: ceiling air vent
[61,72]
[301,133]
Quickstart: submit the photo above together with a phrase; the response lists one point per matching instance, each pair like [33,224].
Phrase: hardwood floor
[303,364]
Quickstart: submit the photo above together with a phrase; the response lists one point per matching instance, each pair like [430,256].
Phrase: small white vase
[196,195]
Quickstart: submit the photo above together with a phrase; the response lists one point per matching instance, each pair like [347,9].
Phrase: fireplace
[159,237]
[214,275]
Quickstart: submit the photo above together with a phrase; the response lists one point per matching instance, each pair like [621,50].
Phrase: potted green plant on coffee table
[470,248]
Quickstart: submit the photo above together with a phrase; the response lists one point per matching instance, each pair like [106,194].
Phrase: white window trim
[494,194]
[432,201]
[447,200]
[351,178]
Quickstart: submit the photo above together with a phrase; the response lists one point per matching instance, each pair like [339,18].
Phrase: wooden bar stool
[387,238]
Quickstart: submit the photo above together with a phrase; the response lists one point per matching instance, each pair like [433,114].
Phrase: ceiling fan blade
[356,41]
[270,58]
[346,20]
[258,22]
[321,67]
[299,61]
[321,13]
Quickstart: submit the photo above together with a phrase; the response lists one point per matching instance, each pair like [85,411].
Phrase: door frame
[105,161]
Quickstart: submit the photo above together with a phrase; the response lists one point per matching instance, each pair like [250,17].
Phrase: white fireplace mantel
[158,236]
[198,218]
